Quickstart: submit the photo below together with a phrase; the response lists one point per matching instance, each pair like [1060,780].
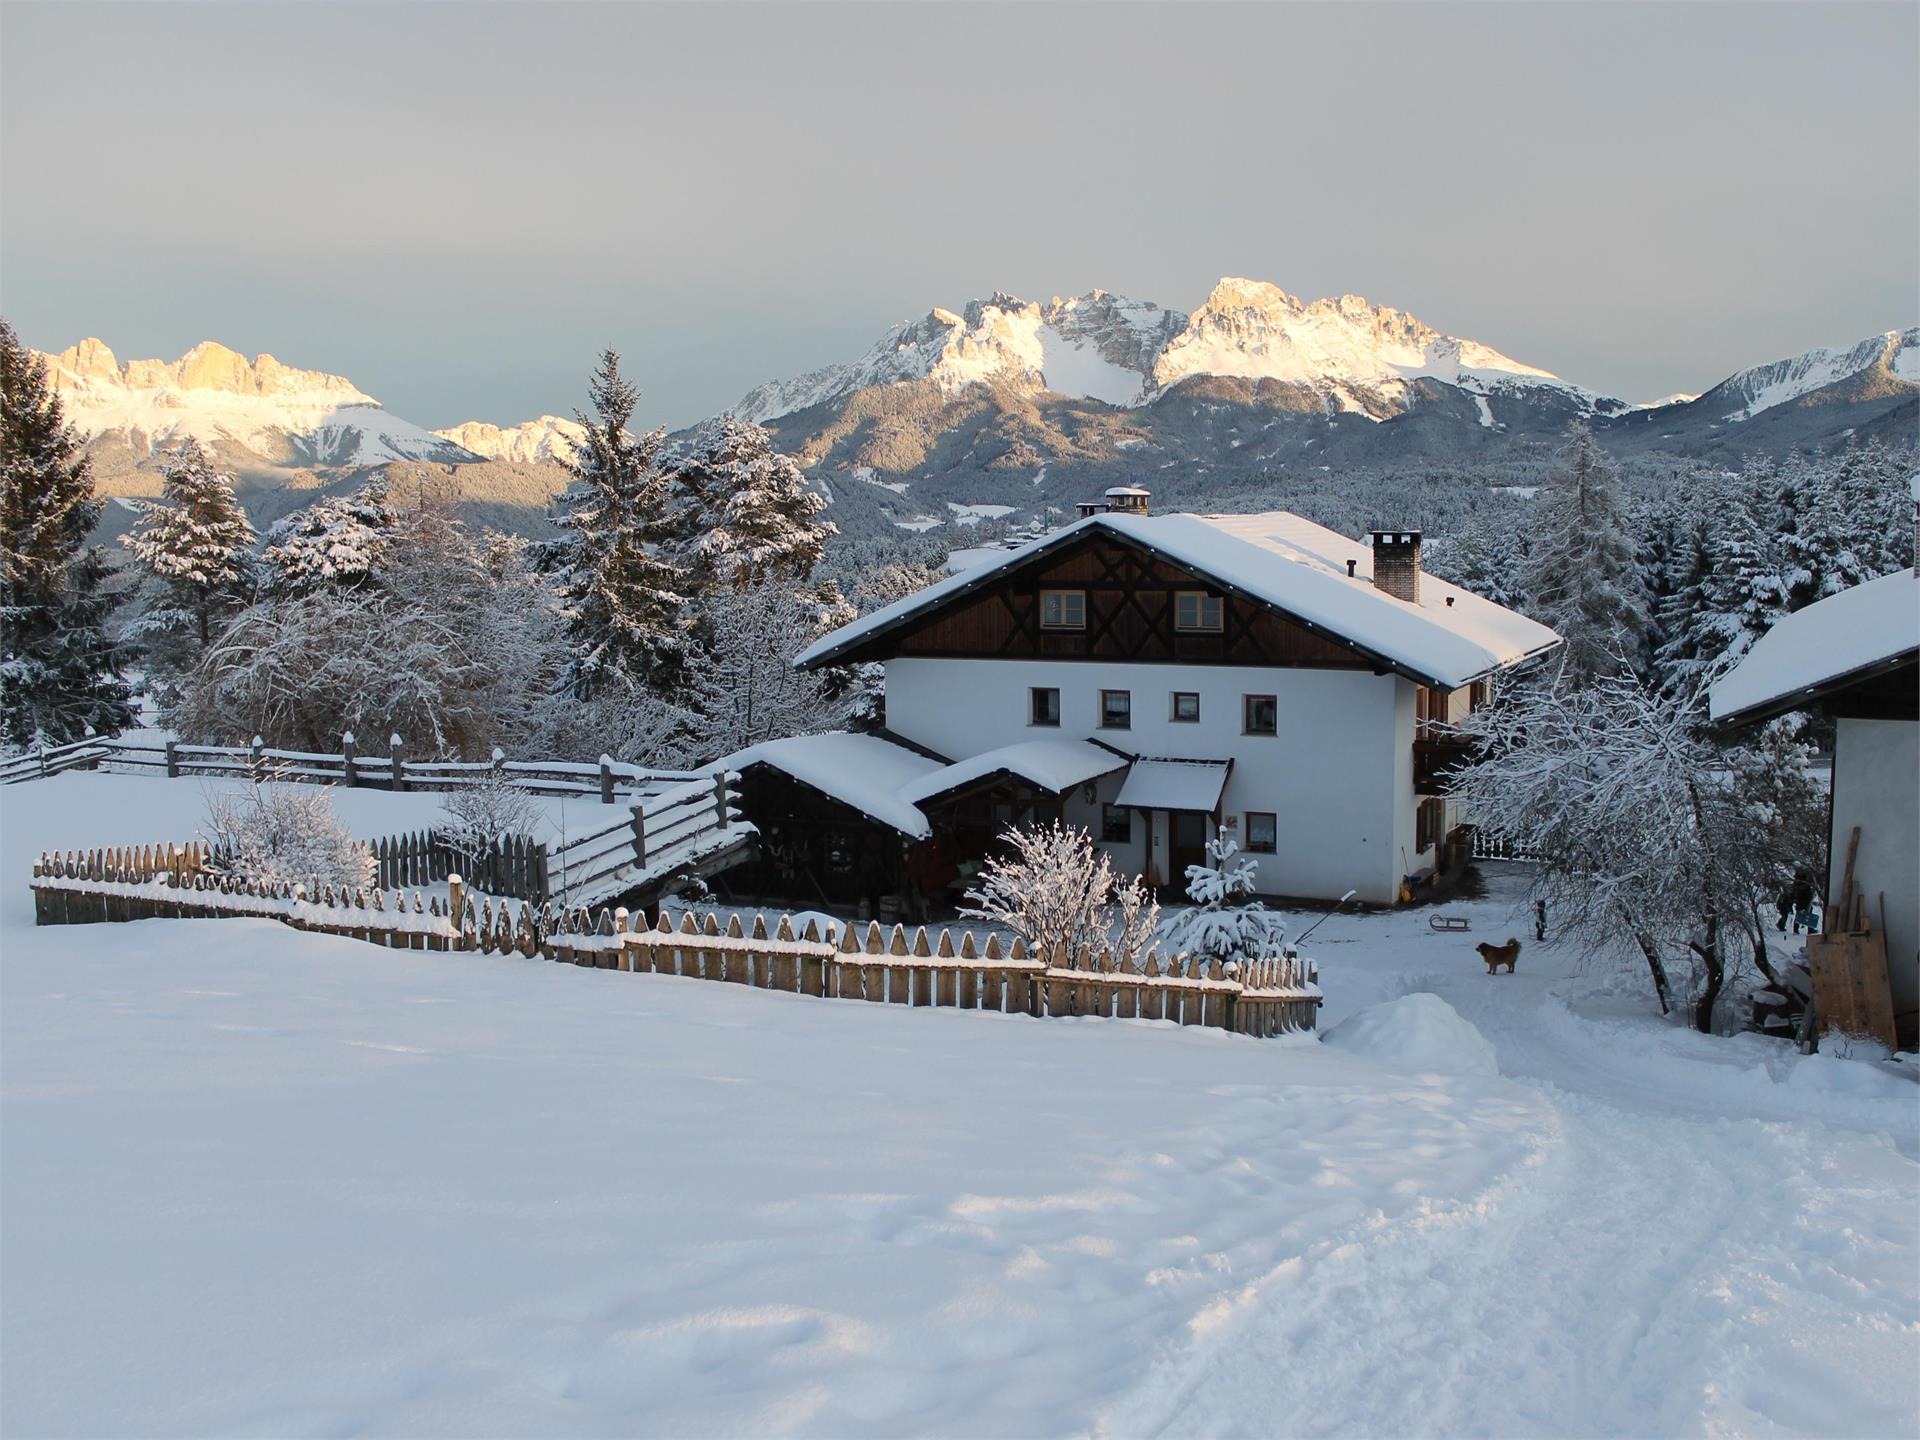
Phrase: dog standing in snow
[1498,955]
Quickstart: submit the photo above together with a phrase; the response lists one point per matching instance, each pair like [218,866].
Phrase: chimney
[1396,564]
[1127,500]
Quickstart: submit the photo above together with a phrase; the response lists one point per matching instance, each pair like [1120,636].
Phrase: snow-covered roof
[1193,785]
[863,772]
[1856,631]
[1449,637]
[1055,766]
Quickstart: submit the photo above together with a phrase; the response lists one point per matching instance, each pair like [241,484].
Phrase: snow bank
[1421,1031]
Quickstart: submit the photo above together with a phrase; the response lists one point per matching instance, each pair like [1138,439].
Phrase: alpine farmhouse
[1148,677]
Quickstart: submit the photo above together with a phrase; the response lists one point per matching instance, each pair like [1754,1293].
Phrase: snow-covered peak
[1106,347]
[548,438]
[1252,329]
[1098,346]
[1745,394]
[221,398]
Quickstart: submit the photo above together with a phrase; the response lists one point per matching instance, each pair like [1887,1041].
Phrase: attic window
[1063,609]
[1196,610]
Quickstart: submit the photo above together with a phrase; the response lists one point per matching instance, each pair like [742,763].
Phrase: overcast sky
[458,206]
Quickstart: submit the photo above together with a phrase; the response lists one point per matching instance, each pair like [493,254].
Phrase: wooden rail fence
[389,769]
[1264,997]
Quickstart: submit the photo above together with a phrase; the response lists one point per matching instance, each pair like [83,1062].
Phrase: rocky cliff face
[533,441]
[254,413]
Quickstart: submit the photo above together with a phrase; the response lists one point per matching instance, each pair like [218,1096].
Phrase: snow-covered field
[256,1181]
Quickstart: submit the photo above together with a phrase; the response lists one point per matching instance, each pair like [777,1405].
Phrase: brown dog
[1498,955]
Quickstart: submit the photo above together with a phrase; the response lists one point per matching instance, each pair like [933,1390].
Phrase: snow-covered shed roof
[1448,638]
[1055,766]
[1193,785]
[1868,628]
[863,772]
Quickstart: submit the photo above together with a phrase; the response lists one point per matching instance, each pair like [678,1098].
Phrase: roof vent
[1396,564]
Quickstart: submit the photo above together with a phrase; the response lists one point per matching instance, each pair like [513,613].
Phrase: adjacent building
[1855,656]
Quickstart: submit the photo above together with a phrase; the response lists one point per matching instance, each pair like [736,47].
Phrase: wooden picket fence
[514,865]
[1266,997]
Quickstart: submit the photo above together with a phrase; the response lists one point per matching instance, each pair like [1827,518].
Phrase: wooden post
[606,780]
[173,758]
[720,806]
[456,906]
[639,838]
[346,759]
[399,780]
[541,885]
[255,756]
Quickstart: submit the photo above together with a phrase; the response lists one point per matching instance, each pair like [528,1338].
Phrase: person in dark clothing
[1802,903]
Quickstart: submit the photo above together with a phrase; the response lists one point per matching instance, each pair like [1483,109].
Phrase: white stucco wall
[1876,785]
[1339,774]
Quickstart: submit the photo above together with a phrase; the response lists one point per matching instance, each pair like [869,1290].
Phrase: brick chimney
[1396,564]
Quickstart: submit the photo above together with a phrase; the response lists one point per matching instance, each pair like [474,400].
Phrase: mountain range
[1008,402]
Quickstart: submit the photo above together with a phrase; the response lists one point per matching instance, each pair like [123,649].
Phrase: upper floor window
[1045,704]
[1063,609]
[1196,610]
[1260,715]
[1186,706]
[1116,709]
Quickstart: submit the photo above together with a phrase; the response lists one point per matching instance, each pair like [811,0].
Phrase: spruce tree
[197,544]
[1583,577]
[746,517]
[623,595]
[59,672]
[1743,595]
[339,542]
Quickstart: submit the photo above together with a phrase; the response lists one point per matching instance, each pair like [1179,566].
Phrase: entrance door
[1188,846]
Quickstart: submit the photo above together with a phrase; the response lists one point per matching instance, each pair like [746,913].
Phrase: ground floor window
[1116,709]
[1046,706]
[1430,822]
[1116,824]
[1263,832]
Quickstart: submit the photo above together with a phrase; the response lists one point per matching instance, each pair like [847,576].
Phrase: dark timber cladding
[1129,616]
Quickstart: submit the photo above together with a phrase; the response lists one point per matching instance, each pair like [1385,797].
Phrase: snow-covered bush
[1060,895]
[1224,924]
[485,812]
[273,834]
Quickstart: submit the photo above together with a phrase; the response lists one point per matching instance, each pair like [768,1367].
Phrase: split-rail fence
[1269,996]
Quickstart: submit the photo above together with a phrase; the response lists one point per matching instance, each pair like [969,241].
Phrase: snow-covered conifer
[1224,923]
[59,672]
[746,517]
[338,542]
[623,595]
[196,544]
[1582,575]
[742,679]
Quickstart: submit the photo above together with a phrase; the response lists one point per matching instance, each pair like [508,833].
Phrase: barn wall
[1874,765]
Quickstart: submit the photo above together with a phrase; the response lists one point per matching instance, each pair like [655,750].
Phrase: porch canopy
[1192,786]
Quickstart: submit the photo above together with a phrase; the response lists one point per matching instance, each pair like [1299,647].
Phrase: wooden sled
[1448,922]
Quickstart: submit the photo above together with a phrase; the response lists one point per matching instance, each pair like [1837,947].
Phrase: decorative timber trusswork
[1129,616]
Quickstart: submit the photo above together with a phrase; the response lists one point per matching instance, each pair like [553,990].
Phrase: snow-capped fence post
[606,780]
[173,758]
[456,905]
[256,758]
[398,773]
[346,759]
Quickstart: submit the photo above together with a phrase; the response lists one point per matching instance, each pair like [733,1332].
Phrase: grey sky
[459,205]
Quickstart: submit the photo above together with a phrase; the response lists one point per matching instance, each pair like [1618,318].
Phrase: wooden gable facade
[1131,598]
